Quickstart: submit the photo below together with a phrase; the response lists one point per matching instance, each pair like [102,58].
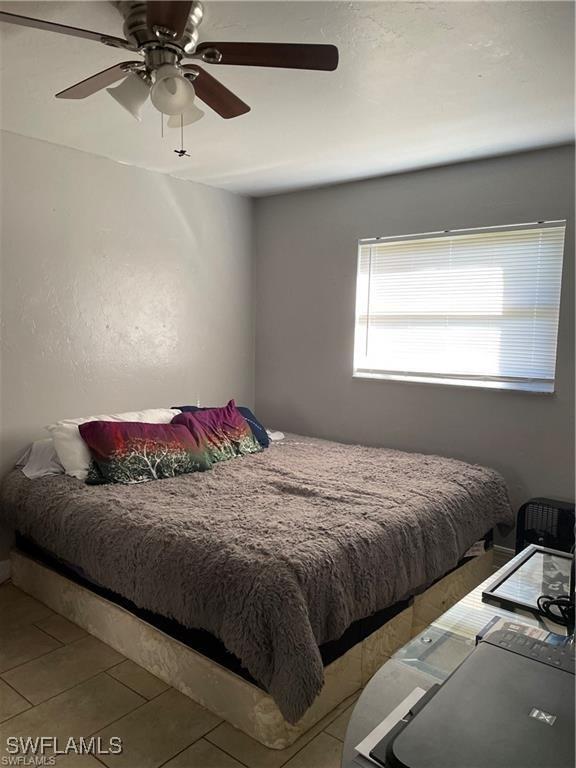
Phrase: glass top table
[539,571]
[430,657]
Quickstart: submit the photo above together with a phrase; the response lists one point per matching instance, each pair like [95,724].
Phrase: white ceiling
[419,84]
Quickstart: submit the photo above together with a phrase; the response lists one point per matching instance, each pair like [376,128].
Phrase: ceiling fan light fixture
[191,115]
[146,24]
[172,93]
[132,93]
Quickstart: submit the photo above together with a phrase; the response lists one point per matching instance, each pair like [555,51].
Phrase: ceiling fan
[165,34]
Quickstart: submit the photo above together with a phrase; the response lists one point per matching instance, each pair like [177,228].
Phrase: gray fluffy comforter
[274,553]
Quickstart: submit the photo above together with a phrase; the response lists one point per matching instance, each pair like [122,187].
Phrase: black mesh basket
[546,522]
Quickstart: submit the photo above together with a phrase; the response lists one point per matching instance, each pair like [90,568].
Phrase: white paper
[368,744]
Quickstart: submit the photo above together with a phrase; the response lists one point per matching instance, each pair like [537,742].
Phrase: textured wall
[121,289]
[306,246]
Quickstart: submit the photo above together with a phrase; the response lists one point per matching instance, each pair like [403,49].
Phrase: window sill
[537,388]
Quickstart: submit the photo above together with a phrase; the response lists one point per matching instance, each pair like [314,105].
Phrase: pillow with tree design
[135,452]
[224,432]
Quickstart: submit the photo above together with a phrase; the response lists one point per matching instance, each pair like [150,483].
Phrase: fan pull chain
[181,152]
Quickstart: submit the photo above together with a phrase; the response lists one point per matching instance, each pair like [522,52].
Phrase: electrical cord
[558,609]
[561,609]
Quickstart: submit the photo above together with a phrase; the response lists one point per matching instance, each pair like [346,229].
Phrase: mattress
[275,554]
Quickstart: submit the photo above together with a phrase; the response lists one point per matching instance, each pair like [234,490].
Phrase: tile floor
[57,680]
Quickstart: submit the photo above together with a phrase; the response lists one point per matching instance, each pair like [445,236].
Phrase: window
[472,307]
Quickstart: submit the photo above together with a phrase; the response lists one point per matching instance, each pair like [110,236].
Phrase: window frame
[486,383]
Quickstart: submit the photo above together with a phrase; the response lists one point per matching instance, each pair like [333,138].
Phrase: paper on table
[368,744]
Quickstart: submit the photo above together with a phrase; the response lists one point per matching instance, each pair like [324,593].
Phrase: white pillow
[40,460]
[72,450]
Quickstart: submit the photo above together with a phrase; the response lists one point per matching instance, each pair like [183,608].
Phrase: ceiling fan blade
[286,55]
[169,15]
[95,83]
[63,29]
[216,95]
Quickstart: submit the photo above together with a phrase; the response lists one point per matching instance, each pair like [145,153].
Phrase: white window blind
[476,307]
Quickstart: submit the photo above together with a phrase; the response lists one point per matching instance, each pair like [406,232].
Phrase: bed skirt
[228,695]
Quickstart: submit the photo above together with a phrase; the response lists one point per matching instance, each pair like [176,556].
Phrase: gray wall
[121,289]
[306,250]
[125,289]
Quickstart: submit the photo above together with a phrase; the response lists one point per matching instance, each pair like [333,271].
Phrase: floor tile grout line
[62,644]
[332,735]
[161,692]
[325,730]
[53,637]
[147,701]
[307,745]
[280,765]
[55,650]
[92,637]
[34,624]
[152,698]
[40,703]
[121,662]
[20,591]
[173,757]
[168,686]
[69,642]
[111,722]
[130,712]
[208,742]
[223,749]
[19,694]
[66,690]
[34,658]
[22,624]
[234,757]
[48,653]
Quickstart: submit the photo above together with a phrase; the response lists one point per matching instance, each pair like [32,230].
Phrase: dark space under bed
[202,641]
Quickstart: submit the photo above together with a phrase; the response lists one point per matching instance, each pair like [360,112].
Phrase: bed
[276,554]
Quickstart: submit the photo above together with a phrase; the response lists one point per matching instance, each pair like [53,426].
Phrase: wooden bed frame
[229,696]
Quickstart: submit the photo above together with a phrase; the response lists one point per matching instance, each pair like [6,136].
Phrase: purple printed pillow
[224,432]
[134,452]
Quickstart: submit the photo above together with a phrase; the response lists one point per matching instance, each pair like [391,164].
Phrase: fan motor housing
[136,29]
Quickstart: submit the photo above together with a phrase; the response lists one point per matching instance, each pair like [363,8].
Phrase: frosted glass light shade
[172,93]
[131,94]
[191,115]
